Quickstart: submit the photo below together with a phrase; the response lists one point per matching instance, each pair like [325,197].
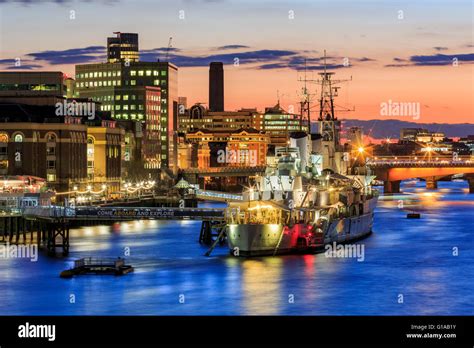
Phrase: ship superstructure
[309,196]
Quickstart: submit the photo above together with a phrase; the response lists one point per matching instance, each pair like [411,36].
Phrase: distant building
[31,84]
[199,117]
[185,155]
[104,155]
[71,88]
[356,136]
[122,48]
[428,137]
[230,148]
[120,86]
[182,105]
[469,143]
[216,86]
[411,133]
[278,124]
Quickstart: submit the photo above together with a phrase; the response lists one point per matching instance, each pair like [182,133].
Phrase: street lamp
[429,149]
[104,189]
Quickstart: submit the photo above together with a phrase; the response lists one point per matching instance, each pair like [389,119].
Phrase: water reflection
[413,257]
[261,280]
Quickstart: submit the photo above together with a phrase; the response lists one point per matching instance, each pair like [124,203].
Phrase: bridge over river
[393,169]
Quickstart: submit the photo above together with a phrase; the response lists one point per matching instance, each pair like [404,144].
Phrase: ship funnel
[300,141]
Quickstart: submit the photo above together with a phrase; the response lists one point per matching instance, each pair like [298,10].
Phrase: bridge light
[89,187]
[104,187]
[360,149]
[75,188]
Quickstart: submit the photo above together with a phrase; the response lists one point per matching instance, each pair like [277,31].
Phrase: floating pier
[97,266]
[413,215]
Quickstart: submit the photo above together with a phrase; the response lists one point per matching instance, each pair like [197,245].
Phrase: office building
[279,124]
[32,85]
[199,117]
[122,48]
[129,91]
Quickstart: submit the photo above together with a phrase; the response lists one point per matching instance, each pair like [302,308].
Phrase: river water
[410,267]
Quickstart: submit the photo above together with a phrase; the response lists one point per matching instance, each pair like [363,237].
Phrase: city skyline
[391,55]
[303,163]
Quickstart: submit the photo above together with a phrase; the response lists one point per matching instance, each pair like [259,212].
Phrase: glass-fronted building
[32,84]
[122,88]
[279,124]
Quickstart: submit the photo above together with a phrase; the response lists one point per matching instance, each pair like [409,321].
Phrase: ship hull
[264,239]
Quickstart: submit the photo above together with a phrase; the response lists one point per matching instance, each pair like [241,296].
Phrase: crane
[168,48]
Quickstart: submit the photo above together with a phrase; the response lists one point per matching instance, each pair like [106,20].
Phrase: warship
[314,192]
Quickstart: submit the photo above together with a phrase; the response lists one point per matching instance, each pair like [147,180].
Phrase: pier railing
[124,213]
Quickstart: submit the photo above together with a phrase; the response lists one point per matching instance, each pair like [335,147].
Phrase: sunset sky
[401,51]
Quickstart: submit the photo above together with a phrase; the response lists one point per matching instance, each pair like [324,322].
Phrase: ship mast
[328,92]
[305,109]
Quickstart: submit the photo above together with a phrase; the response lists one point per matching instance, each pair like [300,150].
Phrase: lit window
[117,97]
[133,73]
[156,82]
[133,82]
[140,73]
[163,73]
[156,73]
[51,177]
[148,73]
[18,138]
[125,97]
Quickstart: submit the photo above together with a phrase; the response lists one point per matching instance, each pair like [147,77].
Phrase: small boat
[413,215]
[97,266]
